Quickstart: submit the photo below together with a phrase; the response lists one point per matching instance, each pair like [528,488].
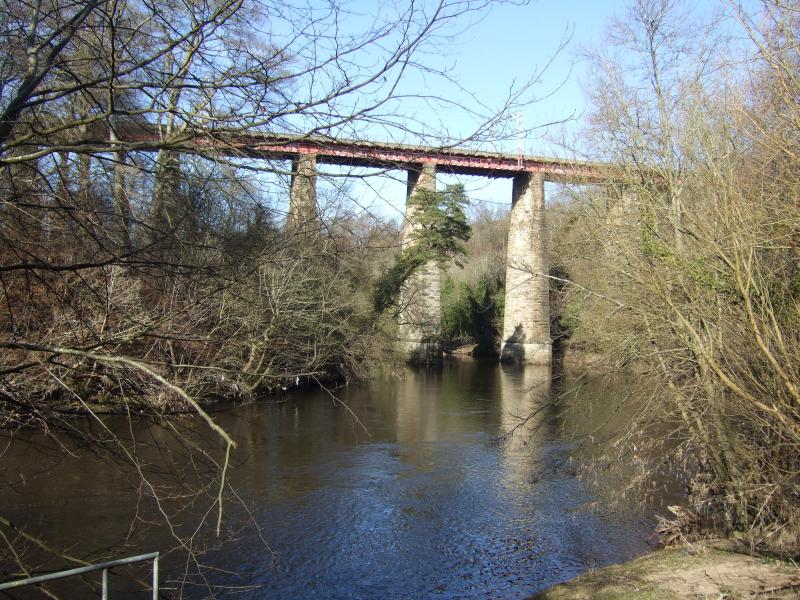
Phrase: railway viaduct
[526,327]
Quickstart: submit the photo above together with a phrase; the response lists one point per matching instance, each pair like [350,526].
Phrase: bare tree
[698,294]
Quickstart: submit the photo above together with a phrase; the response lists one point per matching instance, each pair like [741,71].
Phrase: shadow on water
[461,487]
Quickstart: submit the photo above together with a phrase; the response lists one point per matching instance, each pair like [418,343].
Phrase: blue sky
[507,44]
[510,43]
[516,42]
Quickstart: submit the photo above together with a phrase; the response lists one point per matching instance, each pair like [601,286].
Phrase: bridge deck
[356,153]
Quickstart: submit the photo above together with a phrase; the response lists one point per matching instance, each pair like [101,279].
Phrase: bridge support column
[526,325]
[420,318]
[303,211]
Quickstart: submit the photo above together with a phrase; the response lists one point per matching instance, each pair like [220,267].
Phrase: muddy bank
[699,571]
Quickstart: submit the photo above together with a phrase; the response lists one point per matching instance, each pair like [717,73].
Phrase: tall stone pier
[420,317]
[526,326]
[303,211]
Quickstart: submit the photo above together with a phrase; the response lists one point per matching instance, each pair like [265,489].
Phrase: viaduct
[526,327]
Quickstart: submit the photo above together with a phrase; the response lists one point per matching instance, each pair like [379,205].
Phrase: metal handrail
[88,569]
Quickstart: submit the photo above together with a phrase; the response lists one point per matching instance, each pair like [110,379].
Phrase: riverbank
[708,571]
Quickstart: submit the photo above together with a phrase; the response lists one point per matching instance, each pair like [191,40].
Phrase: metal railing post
[105,585]
[155,577]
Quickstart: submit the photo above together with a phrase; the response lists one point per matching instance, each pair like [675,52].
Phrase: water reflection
[525,404]
[457,489]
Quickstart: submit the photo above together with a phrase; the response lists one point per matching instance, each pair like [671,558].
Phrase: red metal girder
[382,155]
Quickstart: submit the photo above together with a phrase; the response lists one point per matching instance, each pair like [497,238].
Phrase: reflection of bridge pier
[524,427]
[419,421]
[525,402]
[526,335]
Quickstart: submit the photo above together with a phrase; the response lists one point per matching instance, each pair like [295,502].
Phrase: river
[428,486]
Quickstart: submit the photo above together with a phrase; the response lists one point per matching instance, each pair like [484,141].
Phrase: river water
[436,488]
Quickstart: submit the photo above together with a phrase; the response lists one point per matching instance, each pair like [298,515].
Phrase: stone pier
[526,336]
[420,318]
[526,326]
[303,211]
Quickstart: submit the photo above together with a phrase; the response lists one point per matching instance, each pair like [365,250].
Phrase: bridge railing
[104,567]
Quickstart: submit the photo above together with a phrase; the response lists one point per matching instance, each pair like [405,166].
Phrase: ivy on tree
[440,231]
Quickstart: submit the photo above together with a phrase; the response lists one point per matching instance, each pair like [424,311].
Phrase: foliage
[439,232]
[473,293]
[473,311]
[441,226]
[691,260]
